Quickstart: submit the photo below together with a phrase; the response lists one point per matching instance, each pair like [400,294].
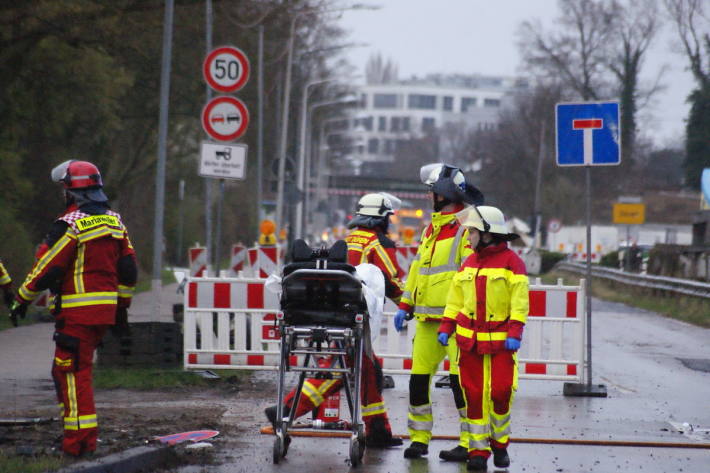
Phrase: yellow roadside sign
[631,214]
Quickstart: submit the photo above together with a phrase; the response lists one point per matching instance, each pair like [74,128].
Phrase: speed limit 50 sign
[226,69]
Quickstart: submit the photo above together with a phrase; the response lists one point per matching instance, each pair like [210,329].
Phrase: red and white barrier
[405,256]
[230,323]
[238,262]
[263,260]
[197,257]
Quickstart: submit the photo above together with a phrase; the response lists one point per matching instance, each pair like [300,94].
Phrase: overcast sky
[479,37]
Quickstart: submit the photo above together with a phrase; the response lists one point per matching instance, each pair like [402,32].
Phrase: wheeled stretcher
[323,317]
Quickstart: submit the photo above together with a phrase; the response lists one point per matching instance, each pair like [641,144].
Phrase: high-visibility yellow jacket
[444,246]
[488,300]
[5,279]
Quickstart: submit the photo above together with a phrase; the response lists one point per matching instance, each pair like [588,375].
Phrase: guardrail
[686,287]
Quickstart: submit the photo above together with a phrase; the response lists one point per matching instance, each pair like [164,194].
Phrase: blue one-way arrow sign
[588,134]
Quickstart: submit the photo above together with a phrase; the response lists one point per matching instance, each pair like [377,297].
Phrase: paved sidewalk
[26,354]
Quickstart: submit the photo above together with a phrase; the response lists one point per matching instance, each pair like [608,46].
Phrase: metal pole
[218,238]
[181,222]
[538,184]
[627,252]
[284,129]
[298,231]
[208,181]
[162,145]
[260,128]
[588,171]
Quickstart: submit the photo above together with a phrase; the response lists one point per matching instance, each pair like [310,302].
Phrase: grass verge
[688,309]
[29,464]
[151,378]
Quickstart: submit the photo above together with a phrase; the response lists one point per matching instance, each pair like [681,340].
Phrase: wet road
[642,359]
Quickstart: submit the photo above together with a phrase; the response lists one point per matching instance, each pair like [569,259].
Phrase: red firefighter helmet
[80,176]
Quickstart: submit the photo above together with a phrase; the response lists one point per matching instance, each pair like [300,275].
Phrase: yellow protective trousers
[427,354]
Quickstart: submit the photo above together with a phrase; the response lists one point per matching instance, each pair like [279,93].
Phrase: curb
[133,460]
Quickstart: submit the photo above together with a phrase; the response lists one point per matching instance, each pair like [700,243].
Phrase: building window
[382,124]
[363,100]
[405,123]
[467,102]
[367,123]
[395,124]
[448,103]
[389,146]
[491,103]
[385,100]
[422,102]
[373,145]
[428,124]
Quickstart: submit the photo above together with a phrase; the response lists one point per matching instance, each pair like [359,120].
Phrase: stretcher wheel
[357,449]
[280,447]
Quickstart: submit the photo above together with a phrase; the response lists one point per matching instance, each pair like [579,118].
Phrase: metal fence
[664,284]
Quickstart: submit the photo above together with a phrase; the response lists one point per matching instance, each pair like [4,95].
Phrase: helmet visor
[59,173]
[395,202]
[429,173]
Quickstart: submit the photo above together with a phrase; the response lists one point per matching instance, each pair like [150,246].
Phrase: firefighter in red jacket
[89,264]
[367,243]
[487,308]
[6,286]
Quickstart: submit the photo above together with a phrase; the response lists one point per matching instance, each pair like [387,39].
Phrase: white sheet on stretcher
[373,285]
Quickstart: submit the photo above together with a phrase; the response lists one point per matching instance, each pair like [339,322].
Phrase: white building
[391,113]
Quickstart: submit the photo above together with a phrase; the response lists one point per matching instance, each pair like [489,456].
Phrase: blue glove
[443,338]
[399,318]
[512,344]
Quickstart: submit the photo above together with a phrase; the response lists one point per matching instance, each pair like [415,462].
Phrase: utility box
[147,344]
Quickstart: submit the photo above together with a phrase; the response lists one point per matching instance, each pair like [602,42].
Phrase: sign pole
[208,182]
[218,237]
[588,287]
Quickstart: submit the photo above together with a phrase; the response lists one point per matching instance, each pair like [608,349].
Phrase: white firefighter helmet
[486,219]
[378,204]
[449,182]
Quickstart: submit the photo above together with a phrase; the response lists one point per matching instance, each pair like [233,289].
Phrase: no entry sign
[226,69]
[225,118]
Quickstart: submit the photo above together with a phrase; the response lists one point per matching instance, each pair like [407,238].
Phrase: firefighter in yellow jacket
[487,308]
[443,247]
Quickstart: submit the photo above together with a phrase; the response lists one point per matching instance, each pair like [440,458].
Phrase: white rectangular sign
[223,161]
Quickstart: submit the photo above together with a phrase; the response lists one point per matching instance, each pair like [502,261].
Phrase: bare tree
[379,71]
[576,53]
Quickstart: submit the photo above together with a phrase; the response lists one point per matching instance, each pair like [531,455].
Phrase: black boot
[501,458]
[416,450]
[456,454]
[477,463]
[382,439]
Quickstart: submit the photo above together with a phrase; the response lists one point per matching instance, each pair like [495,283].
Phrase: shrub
[550,259]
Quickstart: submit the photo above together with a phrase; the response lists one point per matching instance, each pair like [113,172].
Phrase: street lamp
[287,98]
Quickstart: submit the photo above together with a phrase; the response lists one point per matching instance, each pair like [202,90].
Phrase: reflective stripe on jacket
[366,245]
[488,300]
[443,247]
[84,260]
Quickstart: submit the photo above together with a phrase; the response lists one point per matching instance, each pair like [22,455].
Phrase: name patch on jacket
[96,220]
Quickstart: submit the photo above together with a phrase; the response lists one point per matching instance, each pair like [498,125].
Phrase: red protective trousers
[315,391]
[72,373]
[488,382]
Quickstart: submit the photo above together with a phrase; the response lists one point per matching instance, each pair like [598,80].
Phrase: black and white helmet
[449,182]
